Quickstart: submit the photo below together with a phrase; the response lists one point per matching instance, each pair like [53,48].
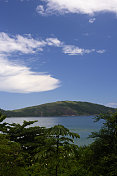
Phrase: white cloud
[78,6]
[113,105]
[19,43]
[92,20]
[101,51]
[18,78]
[40,9]
[74,50]
[27,45]
[24,44]
[54,42]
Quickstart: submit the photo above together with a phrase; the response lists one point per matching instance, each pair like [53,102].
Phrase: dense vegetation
[60,108]
[38,151]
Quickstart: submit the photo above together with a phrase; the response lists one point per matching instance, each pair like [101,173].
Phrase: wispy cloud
[25,44]
[54,42]
[41,10]
[74,50]
[28,45]
[92,20]
[101,51]
[77,6]
[19,78]
[19,43]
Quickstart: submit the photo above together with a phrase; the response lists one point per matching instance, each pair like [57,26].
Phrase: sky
[57,50]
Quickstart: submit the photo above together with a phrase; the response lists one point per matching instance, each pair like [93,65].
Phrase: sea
[83,125]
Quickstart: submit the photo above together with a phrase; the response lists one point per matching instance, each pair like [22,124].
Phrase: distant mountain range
[60,108]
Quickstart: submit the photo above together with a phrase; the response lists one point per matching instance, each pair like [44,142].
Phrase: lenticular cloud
[77,6]
[20,79]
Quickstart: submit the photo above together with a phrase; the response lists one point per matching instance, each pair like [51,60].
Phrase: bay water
[83,125]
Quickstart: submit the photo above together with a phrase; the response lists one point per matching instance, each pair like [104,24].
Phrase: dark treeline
[39,151]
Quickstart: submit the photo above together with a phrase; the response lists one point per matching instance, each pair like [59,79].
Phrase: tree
[58,151]
[104,148]
[3,127]
[22,136]
[11,155]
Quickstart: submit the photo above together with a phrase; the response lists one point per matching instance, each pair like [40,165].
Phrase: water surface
[83,125]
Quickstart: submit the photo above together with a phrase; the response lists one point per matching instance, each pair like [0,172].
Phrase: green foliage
[39,151]
[11,158]
[2,125]
[11,155]
[103,151]
[60,108]
[44,151]
[57,149]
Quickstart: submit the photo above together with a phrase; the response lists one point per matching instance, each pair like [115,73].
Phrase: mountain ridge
[60,108]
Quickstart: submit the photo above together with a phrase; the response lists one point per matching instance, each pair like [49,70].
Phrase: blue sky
[55,50]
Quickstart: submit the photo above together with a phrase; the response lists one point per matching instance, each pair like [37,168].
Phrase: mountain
[3,111]
[60,108]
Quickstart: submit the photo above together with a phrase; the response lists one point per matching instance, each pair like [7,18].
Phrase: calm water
[83,125]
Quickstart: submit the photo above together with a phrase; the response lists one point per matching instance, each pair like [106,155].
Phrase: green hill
[60,108]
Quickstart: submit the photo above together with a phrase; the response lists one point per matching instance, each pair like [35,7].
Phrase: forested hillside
[60,108]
